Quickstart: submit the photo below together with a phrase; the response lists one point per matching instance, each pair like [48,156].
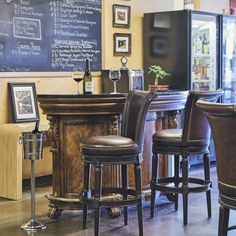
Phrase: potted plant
[159,73]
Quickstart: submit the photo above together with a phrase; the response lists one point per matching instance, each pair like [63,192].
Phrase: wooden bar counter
[74,117]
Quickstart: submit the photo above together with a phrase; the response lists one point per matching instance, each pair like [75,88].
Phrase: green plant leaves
[158,71]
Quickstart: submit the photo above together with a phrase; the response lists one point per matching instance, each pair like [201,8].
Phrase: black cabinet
[130,79]
[187,45]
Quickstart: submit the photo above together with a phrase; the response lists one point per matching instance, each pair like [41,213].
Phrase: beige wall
[44,84]
[108,60]
[156,5]
[138,8]
[62,82]
[49,83]
[214,5]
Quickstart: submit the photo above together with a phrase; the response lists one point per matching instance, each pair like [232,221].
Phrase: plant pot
[153,87]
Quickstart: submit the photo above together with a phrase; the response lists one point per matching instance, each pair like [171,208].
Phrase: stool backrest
[222,120]
[134,115]
[195,127]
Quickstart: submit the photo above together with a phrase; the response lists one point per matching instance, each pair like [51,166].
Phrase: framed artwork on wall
[189,4]
[122,44]
[159,46]
[136,79]
[23,102]
[161,21]
[121,16]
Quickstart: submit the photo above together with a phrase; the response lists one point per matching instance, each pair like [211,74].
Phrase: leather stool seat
[110,145]
[172,136]
[170,141]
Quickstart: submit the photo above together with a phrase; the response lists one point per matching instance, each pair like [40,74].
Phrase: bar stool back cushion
[196,128]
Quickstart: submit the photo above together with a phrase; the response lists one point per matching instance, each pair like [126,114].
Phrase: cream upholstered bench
[13,167]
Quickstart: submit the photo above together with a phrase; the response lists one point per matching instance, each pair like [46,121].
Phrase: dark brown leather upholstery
[192,139]
[122,150]
[95,146]
[222,119]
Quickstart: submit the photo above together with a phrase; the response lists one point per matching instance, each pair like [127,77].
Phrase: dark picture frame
[122,44]
[159,46]
[162,21]
[23,100]
[136,80]
[121,16]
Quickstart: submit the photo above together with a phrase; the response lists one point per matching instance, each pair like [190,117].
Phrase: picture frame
[136,80]
[23,100]
[122,44]
[162,21]
[121,16]
[159,46]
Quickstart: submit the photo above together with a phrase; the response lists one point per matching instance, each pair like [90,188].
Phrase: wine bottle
[205,45]
[36,128]
[198,43]
[87,79]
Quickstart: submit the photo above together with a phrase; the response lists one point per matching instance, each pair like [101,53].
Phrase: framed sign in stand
[24,105]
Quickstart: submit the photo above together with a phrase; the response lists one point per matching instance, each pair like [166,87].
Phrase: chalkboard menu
[44,35]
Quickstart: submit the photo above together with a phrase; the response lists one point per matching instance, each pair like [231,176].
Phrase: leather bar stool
[192,139]
[222,119]
[117,150]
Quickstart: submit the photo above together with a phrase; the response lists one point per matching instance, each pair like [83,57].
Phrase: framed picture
[189,4]
[121,16]
[122,44]
[23,102]
[159,46]
[136,80]
[162,21]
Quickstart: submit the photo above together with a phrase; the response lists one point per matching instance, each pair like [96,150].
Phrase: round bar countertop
[79,104]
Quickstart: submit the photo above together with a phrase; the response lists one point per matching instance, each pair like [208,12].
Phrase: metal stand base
[33,144]
[33,226]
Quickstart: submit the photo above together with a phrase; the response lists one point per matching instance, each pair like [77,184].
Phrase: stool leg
[185,188]
[138,185]
[176,179]
[124,170]
[223,221]
[207,180]
[86,189]
[153,181]
[98,194]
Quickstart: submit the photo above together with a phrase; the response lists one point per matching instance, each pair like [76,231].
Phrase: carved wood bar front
[73,118]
